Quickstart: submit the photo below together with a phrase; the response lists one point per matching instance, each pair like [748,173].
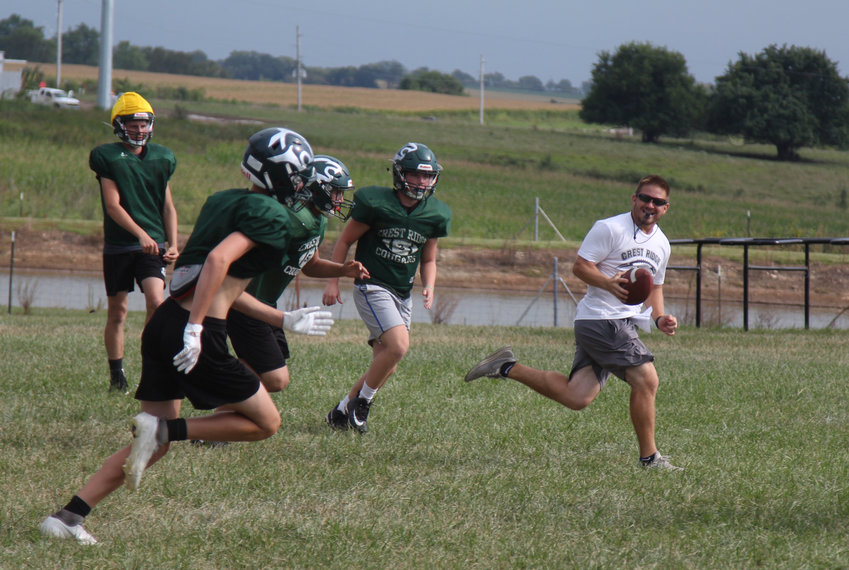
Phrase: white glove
[187,358]
[310,321]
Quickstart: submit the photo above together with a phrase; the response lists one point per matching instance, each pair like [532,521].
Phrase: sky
[549,39]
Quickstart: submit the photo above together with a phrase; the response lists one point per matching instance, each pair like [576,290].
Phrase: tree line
[787,96]
[21,39]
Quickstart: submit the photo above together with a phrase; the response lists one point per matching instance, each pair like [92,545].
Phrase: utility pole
[59,46]
[481,105]
[298,71]
[104,76]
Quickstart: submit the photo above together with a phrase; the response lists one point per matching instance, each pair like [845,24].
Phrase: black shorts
[121,269]
[260,345]
[217,379]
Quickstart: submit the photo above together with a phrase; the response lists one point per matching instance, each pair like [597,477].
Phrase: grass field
[452,475]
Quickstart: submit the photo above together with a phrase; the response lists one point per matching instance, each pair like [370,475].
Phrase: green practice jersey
[142,181]
[261,218]
[392,247]
[307,234]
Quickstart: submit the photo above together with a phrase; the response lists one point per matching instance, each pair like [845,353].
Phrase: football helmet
[280,160]
[331,177]
[415,157]
[132,106]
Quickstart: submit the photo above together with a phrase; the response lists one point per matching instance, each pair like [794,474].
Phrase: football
[638,285]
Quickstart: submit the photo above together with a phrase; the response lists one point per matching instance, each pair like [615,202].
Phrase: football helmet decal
[132,107]
[331,180]
[280,161]
[415,157]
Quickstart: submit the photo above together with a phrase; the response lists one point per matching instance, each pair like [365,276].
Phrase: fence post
[554,279]
[11,271]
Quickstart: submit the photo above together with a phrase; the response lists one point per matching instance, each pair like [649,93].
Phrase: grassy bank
[452,475]
[492,175]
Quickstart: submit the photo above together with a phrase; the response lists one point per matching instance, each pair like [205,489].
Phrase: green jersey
[307,233]
[392,247]
[142,181]
[261,218]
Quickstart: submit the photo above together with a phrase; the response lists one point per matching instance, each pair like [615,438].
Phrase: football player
[239,234]
[139,220]
[263,346]
[396,231]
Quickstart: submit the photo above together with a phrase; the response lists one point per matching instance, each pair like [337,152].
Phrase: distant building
[10,75]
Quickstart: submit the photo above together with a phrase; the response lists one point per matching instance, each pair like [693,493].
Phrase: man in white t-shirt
[605,327]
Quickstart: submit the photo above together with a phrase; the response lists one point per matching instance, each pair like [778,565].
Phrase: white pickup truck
[54,97]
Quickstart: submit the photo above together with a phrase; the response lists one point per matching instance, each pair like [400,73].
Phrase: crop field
[321,96]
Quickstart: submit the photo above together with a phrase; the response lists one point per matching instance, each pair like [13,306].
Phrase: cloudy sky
[550,39]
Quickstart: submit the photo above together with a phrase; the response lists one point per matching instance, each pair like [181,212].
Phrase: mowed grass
[493,173]
[452,475]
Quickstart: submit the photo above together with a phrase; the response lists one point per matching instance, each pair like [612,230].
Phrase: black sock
[176,429]
[74,512]
[116,365]
[506,368]
[649,458]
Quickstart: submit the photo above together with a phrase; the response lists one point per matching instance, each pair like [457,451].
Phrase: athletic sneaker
[358,409]
[144,428]
[118,382]
[337,419]
[659,462]
[57,528]
[491,365]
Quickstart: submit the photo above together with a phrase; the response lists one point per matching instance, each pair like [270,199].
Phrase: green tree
[790,97]
[127,56]
[81,45]
[432,81]
[644,87]
[531,83]
[21,39]
[256,66]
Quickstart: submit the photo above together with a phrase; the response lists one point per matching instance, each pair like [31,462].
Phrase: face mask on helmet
[134,130]
[132,119]
[415,158]
[327,189]
[280,161]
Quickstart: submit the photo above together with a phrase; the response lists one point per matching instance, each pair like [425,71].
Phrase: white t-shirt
[616,244]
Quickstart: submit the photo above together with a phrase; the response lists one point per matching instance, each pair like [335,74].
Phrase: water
[84,290]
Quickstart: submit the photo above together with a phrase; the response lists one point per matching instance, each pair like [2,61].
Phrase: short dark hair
[653,180]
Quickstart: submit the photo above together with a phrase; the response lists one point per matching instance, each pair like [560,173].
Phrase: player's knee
[643,378]
[275,381]
[269,426]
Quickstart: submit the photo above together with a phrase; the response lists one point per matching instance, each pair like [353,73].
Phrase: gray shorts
[381,309]
[610,347]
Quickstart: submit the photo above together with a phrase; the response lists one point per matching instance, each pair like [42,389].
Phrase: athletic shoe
[358,409]
[660,462]
[56,527]
[144,428]
[491,365]
[118,382]
[337,419]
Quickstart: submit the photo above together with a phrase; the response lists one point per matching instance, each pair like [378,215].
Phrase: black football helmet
[280,160]
[415,157]
[331,177]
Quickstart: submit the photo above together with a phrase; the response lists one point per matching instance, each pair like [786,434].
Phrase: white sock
[343,405]
[367,393]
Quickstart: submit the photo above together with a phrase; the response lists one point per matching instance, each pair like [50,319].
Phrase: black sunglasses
[656,201]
